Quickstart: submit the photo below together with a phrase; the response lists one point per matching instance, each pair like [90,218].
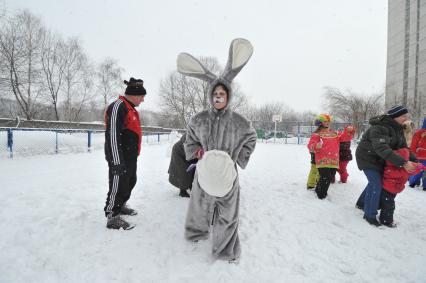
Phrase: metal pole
[89,141]
[56,143]
[275,131]
[10,142]
[158,139]
[298,132]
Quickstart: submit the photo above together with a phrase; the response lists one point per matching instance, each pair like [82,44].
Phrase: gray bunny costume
[222,130]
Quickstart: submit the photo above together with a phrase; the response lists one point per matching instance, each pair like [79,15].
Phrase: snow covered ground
[53,228]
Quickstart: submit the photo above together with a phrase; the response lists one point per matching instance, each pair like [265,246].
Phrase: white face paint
[219,99]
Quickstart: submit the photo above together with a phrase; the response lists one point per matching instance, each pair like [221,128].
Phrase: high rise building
[406,56]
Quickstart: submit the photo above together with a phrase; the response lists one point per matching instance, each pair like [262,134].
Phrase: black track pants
[120,189]
[324,181]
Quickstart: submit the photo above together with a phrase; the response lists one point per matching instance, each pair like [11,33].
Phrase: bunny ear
[190,66]
[240,52]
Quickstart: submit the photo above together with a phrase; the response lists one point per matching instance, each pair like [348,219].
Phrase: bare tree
[352,107]
[239,102]
[20,48]
[77,79]
[306,116]
[109,79]
[262,116]
[54,60]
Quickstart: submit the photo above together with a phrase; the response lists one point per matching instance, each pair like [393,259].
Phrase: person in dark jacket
[123,136]
[376,147]
[345,153]
[179,175]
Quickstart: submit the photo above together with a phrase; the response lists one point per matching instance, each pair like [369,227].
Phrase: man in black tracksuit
[123,136]
[376,147]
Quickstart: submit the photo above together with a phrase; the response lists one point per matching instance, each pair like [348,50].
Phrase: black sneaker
[117,222]
[390,225]
[234,260]
[184,194]
[125,210]
[412,185]
[373,221]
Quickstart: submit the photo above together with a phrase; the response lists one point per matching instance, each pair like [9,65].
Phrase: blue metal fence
[32,141]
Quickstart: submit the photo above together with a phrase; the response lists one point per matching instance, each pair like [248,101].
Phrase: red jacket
[346,136]
[327,156]
[394,178]
[123,133]
[418,144]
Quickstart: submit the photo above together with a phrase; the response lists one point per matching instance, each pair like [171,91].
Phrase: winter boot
[117,222]
[373,221]
[234,260]
[344,177]
[359,206]
[321,194]
[390,225]
[184,194]
[125,210]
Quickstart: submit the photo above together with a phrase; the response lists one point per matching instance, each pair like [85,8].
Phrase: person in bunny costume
[219,138]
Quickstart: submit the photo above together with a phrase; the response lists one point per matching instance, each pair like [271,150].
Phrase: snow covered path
[53,228]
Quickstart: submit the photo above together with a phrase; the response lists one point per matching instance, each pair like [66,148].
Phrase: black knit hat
[134,87]
[397,111]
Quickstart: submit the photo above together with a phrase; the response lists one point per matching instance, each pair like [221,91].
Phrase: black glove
[119,169]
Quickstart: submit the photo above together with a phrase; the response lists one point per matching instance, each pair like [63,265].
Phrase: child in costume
[324,142]
[345,154]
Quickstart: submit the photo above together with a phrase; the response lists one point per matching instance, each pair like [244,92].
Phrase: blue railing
[54,141]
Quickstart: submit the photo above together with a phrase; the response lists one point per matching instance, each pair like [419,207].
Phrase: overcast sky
[299,46]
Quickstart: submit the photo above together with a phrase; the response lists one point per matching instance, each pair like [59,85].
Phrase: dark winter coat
[345,153]
[378,144]
[123,133]
[178,176]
